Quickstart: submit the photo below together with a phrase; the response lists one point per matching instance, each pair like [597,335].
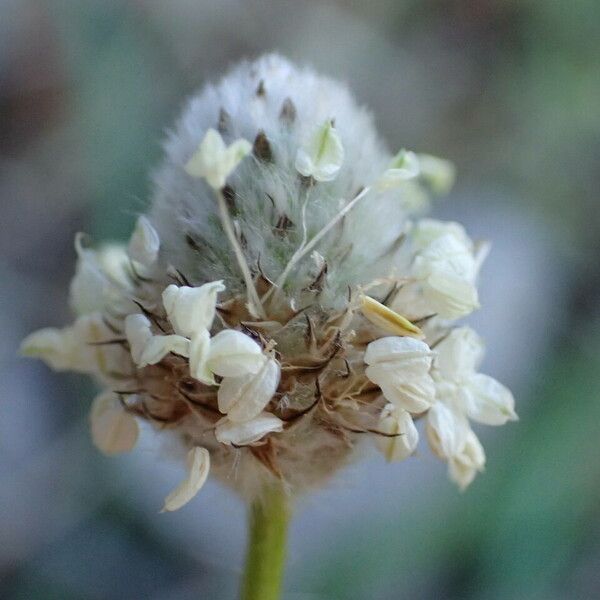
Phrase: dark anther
[319,281]
[224,121]
[288,111]
[261,148]
[283,224]
[229,196]
[260,90]
[192,243]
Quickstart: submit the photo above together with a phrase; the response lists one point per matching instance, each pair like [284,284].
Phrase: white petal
[214,161]
[232,354]
[138,334]
[404,166]
[397,422]
[489,402]
[395,348]
[446,430]
[198,463]
[75,348]
[323,155]
[400,367]
[458,355]
[160,345]
[243,434]
[114,430]
[191,309]
[199,351]
[243,398]
[463,468]
[144,243]
[438,173]
[88,286]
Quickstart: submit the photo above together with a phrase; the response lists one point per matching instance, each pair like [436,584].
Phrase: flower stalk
[268,519]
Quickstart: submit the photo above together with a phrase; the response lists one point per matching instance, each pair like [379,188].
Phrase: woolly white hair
[282,105]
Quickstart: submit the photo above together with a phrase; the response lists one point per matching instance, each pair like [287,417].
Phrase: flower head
[271,310]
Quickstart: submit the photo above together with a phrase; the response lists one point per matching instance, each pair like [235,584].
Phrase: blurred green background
[509,90]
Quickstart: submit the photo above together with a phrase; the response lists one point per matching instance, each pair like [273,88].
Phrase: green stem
[265,557]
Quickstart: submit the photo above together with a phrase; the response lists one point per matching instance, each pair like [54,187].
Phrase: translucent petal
[138,334]
[114,430]
[160,345]
[243,434]
[323,155]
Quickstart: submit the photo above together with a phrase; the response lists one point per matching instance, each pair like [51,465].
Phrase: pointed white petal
[198,464]
[144,243]
[114,430]
[489,402]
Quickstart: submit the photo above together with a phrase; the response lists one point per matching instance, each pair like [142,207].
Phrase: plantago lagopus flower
[283,301]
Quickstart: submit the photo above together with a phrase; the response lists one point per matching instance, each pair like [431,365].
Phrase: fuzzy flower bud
[271,320]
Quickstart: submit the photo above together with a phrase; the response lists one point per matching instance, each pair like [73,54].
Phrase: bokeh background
[509,90]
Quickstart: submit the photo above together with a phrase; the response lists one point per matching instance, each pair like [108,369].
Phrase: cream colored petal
[198,464]
[395,348]
[233,354]
[249,432]
[243,398]
[463,468]
[214,161]
[144,243]
[114,430]
[191,309]
[447,430]
[199,352]
[399,423]
[387,319]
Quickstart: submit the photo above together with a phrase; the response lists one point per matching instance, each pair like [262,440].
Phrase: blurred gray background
[509,91]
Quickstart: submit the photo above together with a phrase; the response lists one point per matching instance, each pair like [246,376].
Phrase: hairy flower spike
[236,320]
